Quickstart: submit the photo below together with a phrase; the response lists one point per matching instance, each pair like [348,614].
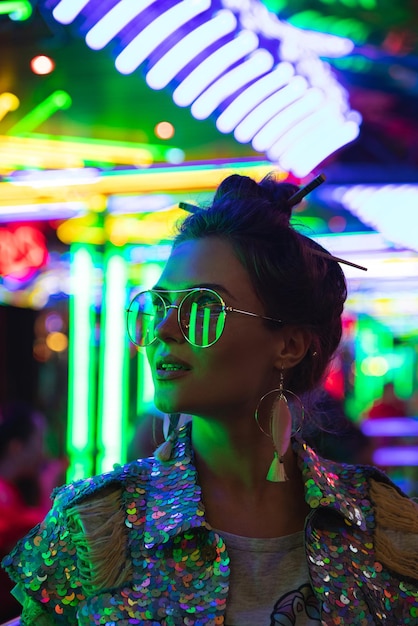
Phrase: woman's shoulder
[118,479]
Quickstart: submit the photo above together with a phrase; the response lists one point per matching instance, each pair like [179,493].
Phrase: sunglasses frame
[225,309]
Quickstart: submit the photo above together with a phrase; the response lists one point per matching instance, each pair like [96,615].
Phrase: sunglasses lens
[145,312]
[202,317]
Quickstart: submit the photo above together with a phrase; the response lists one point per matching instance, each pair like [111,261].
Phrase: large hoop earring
[280,427]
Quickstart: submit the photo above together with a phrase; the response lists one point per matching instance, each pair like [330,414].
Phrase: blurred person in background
[389,405]
[27,479]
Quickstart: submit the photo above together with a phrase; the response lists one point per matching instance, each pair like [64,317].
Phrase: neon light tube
[287,118]
[157,32]
[391,427]
[81,366]
[192,322]
[258,63]
[263,112]
[67,10]
[18,10]
[57,101]
[396,457]
[318,146]
[113,22]
[254,95]
[112,375]
[214,65]
[166,68]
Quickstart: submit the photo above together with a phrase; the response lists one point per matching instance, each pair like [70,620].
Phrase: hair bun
[267,191]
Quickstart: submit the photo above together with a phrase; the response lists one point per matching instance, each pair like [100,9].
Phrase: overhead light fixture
[256,75]
[389,209]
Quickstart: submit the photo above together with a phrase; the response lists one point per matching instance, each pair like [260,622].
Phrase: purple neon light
[391,427]
[396,457]
[147,36]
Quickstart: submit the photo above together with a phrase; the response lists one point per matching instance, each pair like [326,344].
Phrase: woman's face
[229,377]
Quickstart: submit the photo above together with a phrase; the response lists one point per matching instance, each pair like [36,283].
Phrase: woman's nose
[168,328]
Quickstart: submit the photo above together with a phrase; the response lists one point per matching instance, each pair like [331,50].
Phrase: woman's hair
[293,283]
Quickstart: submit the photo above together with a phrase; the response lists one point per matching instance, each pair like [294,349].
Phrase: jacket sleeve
[44,567]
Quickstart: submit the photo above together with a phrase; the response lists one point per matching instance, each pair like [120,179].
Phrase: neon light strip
[396,457]
[112,374]
[67,10]
[113,22]
[287,118]
[264,111]
[253,96]
[192,322]
[257,64]
[18,10]
[163,42]
[150,273]
[157,32]
[391,427]
[189,47]
[57,101]
[43,211]
[206,327]
[66,150]
[81,366]
[213,66]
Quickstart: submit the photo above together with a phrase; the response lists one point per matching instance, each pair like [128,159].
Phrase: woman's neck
[232,465]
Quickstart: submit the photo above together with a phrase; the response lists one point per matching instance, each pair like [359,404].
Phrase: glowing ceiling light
[263,112]
[187,49]
[67,10]
[390,209]
[214,65]
[287,118]
[157,32]
[254,95]
[113,22]
[258,63]
[205,52]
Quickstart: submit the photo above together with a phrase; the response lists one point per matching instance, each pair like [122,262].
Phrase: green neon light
[192,322]
[57,101]
[113,372]
[220,324]
[18,10]
[206,326]
[148,277]
[157,151]
[313,20]
[81,366]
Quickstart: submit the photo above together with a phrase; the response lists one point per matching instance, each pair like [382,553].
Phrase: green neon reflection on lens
[206,327]
[192,323]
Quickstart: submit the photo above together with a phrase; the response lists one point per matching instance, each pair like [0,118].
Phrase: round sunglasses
[201,315]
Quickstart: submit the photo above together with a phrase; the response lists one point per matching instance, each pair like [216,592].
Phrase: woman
[232,522]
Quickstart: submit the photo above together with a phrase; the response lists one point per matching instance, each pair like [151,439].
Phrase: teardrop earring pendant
[280,427]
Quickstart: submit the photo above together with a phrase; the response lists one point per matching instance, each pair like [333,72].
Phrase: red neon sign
[22,251]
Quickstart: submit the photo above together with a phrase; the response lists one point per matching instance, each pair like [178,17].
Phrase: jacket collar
[174,500]
[337,486]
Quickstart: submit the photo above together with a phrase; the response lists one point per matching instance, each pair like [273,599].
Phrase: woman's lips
[170,368]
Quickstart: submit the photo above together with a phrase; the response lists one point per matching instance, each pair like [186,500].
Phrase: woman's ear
[293,345]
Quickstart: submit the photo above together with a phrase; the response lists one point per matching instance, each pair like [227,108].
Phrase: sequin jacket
[133,547]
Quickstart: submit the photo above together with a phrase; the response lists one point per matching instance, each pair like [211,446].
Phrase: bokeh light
[42,65]
[164,130]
